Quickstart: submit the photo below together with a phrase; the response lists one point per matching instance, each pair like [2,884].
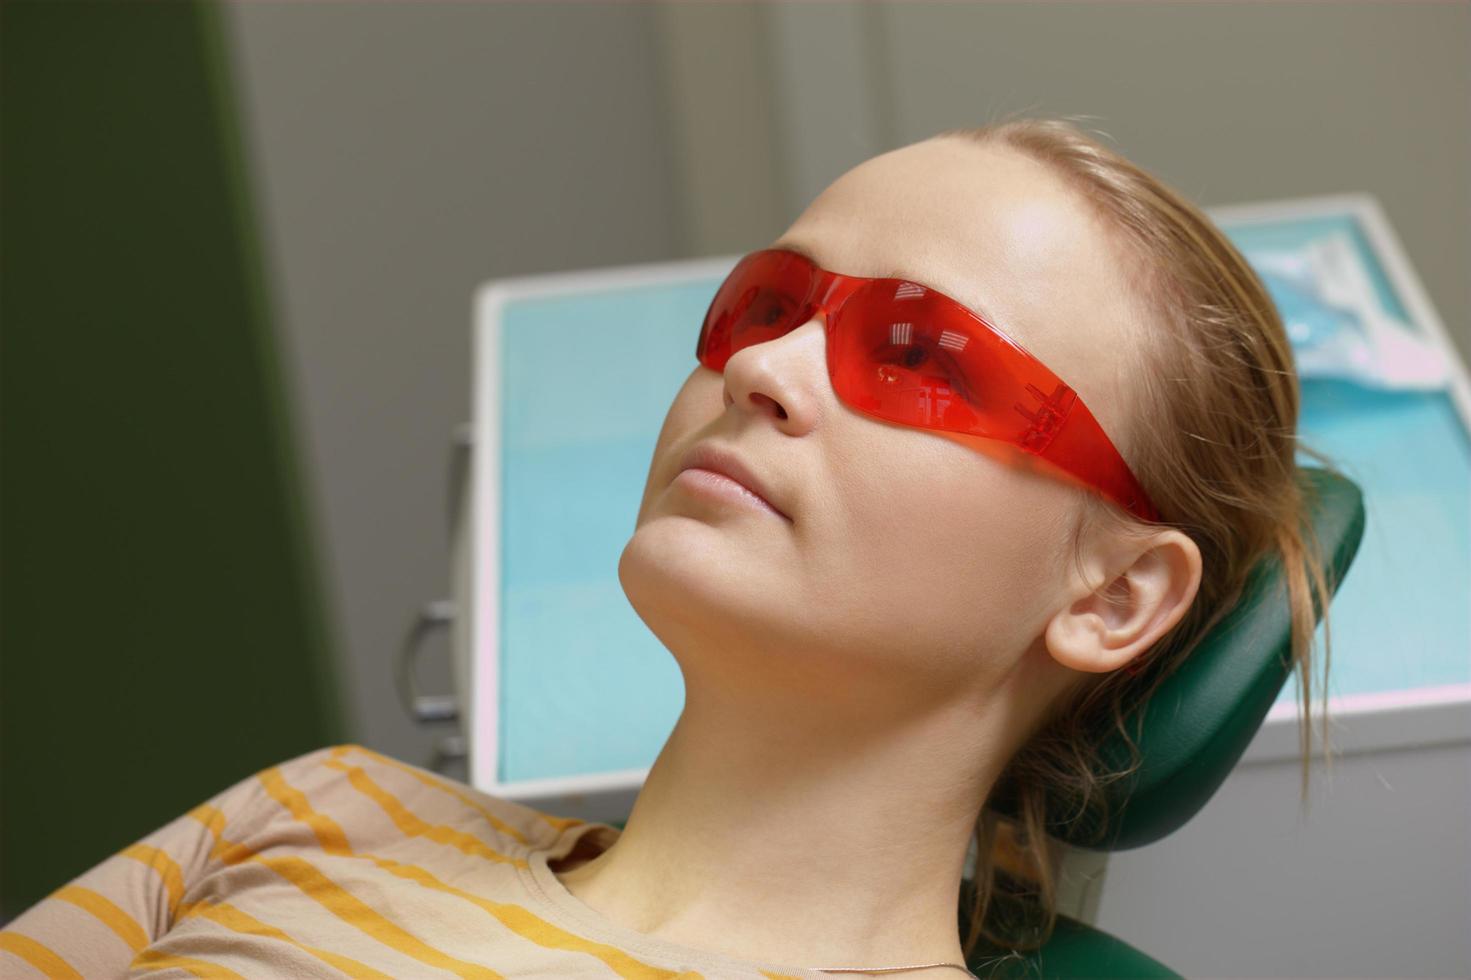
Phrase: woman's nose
[808,342]
[788,372]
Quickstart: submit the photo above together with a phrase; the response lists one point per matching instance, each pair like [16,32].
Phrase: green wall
[161,622]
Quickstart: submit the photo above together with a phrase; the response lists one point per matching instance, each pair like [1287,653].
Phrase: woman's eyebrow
[800,249]
[807,253]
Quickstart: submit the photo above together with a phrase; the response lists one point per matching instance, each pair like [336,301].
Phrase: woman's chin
[676,561]
[673,575]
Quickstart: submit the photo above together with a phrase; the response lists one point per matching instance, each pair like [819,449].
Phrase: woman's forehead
[984,225]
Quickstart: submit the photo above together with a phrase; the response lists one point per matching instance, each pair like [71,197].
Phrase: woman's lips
[719,486]
[728,462]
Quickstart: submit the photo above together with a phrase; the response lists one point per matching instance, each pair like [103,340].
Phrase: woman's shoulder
[352,783]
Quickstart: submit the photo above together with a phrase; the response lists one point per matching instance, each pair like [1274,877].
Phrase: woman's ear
[1147,588]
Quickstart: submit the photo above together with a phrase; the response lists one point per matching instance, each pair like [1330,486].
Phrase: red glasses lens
[901,353]
[765,295]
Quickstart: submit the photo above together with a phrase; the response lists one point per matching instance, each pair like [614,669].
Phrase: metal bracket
[424,708]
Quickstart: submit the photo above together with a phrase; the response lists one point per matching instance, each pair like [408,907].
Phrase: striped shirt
[344,862]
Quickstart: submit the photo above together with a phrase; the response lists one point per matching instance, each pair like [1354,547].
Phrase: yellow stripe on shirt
[153,959]
[103,909]
[520,920]
[556,823]
[168,871]
[232,918]
[410,823]
[338,900]
[329,833]
[517,918]
[38,955]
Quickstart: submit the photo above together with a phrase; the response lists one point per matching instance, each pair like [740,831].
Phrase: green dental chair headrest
[1200,721]
[1194,730]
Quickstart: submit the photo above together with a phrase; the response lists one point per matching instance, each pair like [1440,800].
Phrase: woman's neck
[776,839]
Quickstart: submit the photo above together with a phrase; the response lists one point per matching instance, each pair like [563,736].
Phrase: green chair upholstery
[1076,950]
[1191,735]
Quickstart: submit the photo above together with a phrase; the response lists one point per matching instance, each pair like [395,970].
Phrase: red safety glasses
[905,353]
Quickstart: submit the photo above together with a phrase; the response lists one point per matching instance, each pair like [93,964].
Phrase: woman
[892,617]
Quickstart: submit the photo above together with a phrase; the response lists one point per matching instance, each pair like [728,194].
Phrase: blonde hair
[1214,376]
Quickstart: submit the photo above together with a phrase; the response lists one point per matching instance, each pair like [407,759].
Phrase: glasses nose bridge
[831,292]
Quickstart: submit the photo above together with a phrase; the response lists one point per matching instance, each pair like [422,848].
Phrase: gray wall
[1369,877]
[403,154]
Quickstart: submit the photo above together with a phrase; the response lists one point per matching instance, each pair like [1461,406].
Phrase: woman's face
[912,564]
